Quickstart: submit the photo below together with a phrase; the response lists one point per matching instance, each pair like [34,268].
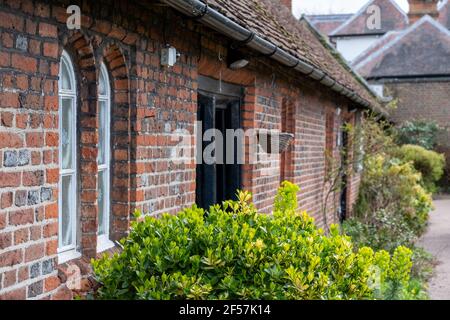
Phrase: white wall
[378,89]
[351,47]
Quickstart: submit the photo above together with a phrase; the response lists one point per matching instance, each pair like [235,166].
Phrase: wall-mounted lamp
[169,56]
[237,60]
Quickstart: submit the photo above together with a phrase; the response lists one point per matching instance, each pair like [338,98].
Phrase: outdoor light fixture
[237,60]
[169,56]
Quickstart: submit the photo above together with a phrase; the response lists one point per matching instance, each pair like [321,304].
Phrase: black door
[218,181]
[206,177]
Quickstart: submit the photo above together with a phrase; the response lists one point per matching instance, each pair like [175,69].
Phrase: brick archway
[287,170]
[115,59]
[79,47]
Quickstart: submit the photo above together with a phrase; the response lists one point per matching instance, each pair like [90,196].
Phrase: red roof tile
[421,50]
[327,23]
[276,24]
[379,44]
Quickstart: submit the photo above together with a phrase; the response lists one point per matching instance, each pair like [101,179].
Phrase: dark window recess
[218,181]
[329,139]
[287,127]
[344,180]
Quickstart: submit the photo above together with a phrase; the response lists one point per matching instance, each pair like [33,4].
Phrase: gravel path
[437,242]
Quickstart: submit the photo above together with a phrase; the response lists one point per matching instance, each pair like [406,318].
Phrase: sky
[333,6]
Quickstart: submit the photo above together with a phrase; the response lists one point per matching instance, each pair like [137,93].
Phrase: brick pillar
[420,8]
[287,3]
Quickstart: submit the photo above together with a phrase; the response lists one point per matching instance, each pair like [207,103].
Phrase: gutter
[413,78]
[215,20]
[356,35]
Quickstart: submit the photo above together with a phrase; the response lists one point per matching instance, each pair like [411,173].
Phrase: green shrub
[286,198]
[394,200]
[391,201]
[429,163]
[423,264]
[385,231]
[422,133]
[392,210]
[232,252]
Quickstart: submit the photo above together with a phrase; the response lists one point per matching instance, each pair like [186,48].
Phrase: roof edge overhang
[411,78]
[218,22]
[358,35]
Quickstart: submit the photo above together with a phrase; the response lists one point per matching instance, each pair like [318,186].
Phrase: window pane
[66,211]
[67,134]
[102,227]
[65,81]
[102,133]
[102,84]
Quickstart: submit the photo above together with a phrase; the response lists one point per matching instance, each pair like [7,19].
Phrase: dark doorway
[219,107]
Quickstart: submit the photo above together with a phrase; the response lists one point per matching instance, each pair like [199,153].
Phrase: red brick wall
[307,102]
[420,8]
[421,100]
[288,115]
[287,3]
[28,150]
[149,102]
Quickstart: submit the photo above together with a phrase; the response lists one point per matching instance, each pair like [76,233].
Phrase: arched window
[67,199]
[104,160]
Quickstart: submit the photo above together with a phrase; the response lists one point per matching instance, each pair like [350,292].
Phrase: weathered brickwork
[421,100]
[148,103]
[427,100]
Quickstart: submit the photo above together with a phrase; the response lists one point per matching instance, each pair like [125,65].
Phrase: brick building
[405,58]
[367,26]
[413,66]
[88,121]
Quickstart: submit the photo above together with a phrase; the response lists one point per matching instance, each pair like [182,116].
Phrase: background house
[406,59]
[353,34]
[413,66]
[367,26]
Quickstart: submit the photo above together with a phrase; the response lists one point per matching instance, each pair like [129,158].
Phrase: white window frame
[69,252]
[103,241]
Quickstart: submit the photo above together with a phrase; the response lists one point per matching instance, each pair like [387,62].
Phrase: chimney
[287,3]
[420,8]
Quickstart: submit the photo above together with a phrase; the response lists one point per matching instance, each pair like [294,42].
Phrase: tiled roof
[444,14]
[421,50]
[326,23]
[379,44]
[276,24]
[392,18]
